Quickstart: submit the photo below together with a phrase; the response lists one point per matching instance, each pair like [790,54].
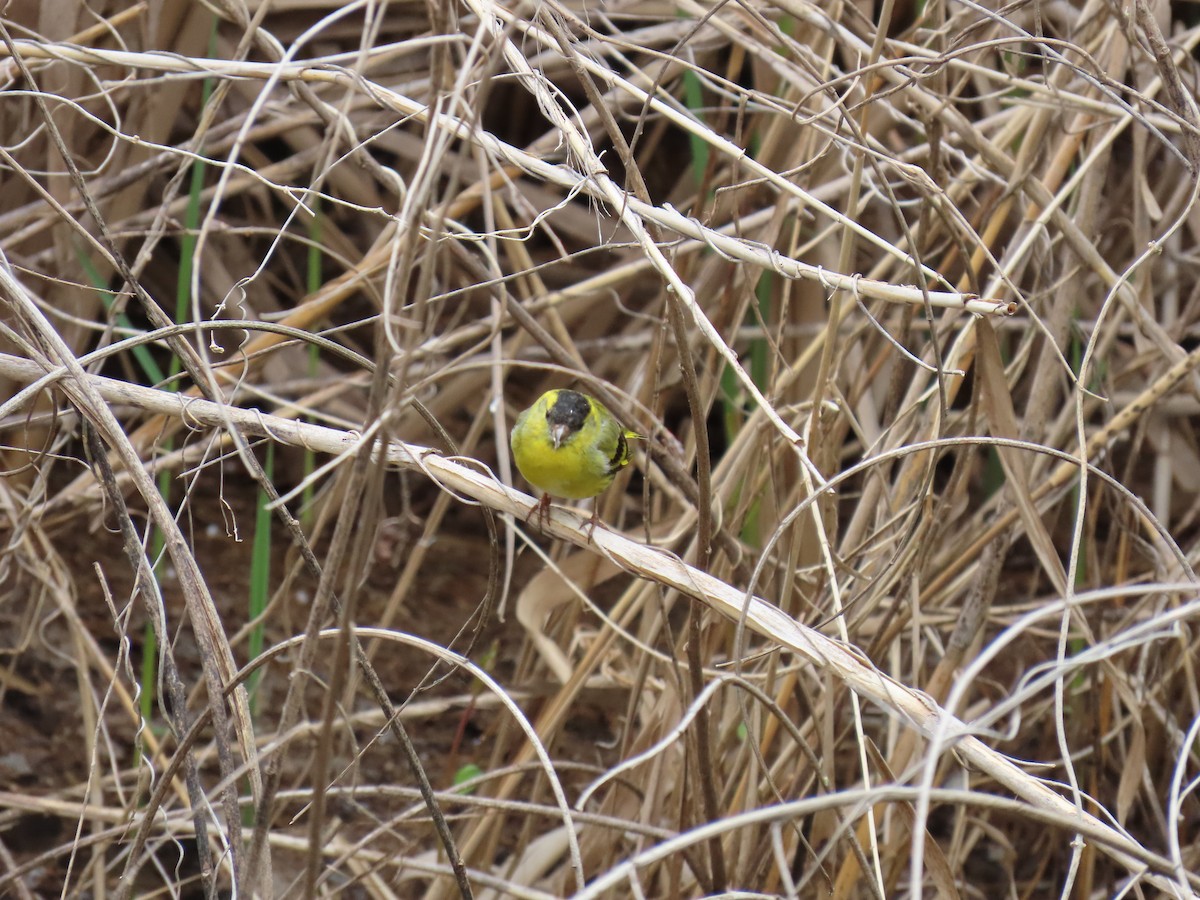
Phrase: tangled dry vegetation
[898,597]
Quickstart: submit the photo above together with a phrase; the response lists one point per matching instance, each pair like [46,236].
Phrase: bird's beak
[558,434]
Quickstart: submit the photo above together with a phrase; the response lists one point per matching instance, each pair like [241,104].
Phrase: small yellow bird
[569,445]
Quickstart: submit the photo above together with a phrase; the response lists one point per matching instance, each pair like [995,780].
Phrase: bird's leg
[590,527]
[542,510]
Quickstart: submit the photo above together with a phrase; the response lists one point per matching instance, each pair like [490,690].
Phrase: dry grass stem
[897,599]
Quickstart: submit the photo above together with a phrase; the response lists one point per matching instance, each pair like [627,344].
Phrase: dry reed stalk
[902,297]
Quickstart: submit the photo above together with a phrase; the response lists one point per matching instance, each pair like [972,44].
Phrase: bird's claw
[541,510]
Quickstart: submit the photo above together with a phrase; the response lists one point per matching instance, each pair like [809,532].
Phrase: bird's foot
[590,527]
[541,511]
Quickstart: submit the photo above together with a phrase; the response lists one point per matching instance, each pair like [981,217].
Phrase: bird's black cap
[570,409]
